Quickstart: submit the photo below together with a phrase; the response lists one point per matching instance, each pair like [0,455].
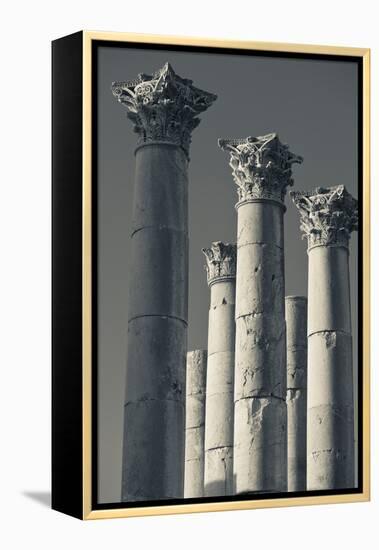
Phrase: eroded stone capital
[327,215]
[220,261]
[163,106]
[261,166]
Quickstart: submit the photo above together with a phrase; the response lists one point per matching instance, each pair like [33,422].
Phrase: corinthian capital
[261,166]
[220,261]
[163,106]
[327,215]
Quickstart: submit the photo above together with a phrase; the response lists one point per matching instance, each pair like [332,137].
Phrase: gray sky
[311,104]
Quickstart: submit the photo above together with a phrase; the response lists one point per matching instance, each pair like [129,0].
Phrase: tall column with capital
[164,109]
[221,275]
[327,218]
[296,324]
[262,171]
[195,423]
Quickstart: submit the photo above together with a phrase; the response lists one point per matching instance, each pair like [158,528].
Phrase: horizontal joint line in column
[329,330]
[163,143]
[262,243]
[221,351]
[195,427]
[219,447]
[329,245]
[260,397]
[220,393]
[159,228]
[158,315]
[259,314]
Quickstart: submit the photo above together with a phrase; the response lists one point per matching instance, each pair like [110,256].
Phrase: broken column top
[261,167]
[327,215]
[163,107]
[220,262]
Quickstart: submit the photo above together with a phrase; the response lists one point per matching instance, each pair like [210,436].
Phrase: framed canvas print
[210,275]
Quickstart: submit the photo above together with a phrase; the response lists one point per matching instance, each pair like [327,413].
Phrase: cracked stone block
[330,448]
[260,435]
[218,479]
[296,322]
[195,423]
[156,359]
[329,289]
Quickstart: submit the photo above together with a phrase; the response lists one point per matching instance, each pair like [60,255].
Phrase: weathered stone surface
[260,222]
[262,171]
[297,439]
[260,437]
[331,376]
[156,359]
[164,167]
[296,321]
[329,300]
[260,343]
[153,290]
[218,479]
[164,109]
[327,218]
[219,406]
[153,444]
[221,332]
[332,447]
[261,281]
[221,269]
[195,424]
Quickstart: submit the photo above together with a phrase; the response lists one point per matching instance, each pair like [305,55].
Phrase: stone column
[195,423]
[164,109]
[221,275]
[327,218]
[296,322]
[262,171]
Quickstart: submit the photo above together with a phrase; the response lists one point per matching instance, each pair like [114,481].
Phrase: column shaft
[330,443]
[262,171]
[296,322]
[328,216]
[221,276]
[195,423]
[220,377]
[154,414]
[260,425]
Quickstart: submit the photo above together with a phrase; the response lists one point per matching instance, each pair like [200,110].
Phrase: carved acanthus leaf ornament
[327,215]
[262,166]
[163,107]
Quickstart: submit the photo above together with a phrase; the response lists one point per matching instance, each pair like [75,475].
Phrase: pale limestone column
[221,276]
[195,424]
[262,171]
[296,322]
[327,218]
[164,109]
